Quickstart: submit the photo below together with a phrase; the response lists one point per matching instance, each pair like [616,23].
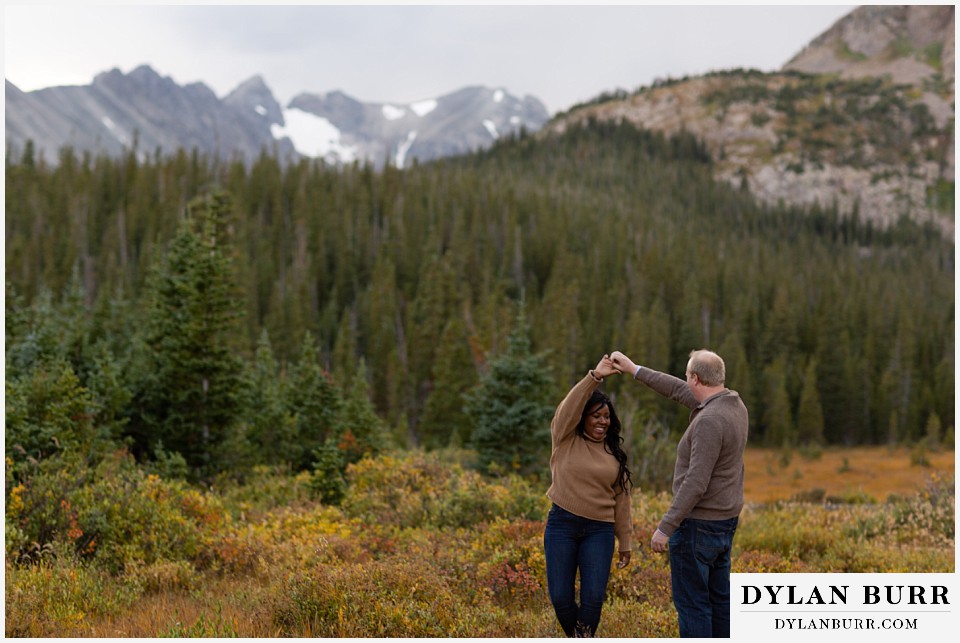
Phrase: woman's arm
[568,413]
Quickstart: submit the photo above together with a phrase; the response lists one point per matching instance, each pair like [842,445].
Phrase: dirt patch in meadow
[874,472]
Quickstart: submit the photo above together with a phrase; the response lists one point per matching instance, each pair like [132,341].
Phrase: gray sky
[562,54]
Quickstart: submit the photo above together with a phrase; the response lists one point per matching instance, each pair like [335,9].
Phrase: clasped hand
[605,367]
[613,364]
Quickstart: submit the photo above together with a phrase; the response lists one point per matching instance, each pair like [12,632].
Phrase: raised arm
[568,413]
[665,384]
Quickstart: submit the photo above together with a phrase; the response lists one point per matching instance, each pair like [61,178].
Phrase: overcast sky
[562,54]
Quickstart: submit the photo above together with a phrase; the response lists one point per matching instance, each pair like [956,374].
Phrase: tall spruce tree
[359,430]
[510,414]
[810,413]
[272,427]
[778,425]
[444,421]
[188,399]
[313,400]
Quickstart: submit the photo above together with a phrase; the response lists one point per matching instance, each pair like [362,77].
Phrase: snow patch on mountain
[115,130]
[313,136]
[498,96]
[491,128]
[260,109]
[424,107]
[392,113]
[403,148]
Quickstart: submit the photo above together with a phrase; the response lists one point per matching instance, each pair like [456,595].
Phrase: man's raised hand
[623,364]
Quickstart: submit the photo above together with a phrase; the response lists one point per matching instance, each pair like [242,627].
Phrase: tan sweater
[584,475]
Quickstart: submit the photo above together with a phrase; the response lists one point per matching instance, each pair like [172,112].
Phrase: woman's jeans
[571,543]
[700,576]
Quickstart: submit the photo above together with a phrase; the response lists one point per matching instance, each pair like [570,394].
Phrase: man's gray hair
[708,366]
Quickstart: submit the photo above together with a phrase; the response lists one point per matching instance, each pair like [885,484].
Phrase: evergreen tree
[49,412]
[832,351]
[810,413]
[739,377]
[646,338]
[314,402]
[933,432]
[345,351]
[328,480]
[383,344]
[779,335]
[510,414]
[189,398]
[559,326]
[359,430]
[272,427]
[445,421]
[778,426]
[430,313]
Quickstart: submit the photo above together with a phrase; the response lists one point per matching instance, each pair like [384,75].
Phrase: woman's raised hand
[605,367]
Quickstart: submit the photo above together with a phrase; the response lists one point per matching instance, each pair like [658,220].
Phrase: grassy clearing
[460,556]
[873,473]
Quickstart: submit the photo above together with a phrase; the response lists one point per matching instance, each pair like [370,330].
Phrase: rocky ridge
[870,129]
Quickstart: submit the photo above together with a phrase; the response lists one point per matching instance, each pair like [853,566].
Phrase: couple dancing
[590,490]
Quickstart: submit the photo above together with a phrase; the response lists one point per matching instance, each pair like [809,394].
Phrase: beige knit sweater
[584,475]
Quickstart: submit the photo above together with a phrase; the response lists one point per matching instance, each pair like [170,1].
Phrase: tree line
[215,315]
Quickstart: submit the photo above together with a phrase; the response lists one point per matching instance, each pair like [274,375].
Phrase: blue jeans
[700,576]
[571,543]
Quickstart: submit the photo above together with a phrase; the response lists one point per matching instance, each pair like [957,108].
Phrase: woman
[590,490]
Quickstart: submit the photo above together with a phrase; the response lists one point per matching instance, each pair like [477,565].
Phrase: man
[707,490]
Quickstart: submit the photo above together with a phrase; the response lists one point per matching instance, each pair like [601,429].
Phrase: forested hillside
[220,315]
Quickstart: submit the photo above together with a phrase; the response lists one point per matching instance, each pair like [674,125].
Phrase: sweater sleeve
[568,413]
[668,386]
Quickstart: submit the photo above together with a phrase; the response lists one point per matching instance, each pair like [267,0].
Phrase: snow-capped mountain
[340,128]
[145,113]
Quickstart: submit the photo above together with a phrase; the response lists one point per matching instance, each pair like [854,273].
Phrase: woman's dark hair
[612,441]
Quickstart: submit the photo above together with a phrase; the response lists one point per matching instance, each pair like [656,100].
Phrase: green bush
[113,513]
[48,412]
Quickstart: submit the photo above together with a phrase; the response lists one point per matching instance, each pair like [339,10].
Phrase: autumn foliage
[422,546]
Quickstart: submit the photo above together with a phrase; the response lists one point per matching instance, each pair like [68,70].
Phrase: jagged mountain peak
[151,111]
[254,96]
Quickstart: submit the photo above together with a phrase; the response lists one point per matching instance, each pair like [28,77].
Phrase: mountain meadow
[292,399]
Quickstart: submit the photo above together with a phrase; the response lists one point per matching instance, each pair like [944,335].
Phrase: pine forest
[177,324]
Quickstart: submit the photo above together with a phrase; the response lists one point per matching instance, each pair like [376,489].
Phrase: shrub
[162,576]
[629,619]
[263,489]
[394,598]
[114,513]
[57,596]
[510,562]
[417,489]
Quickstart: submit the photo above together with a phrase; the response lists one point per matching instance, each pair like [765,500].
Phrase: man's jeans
[570,543]
[700,576]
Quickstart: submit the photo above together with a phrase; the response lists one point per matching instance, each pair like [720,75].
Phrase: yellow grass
[877,472]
